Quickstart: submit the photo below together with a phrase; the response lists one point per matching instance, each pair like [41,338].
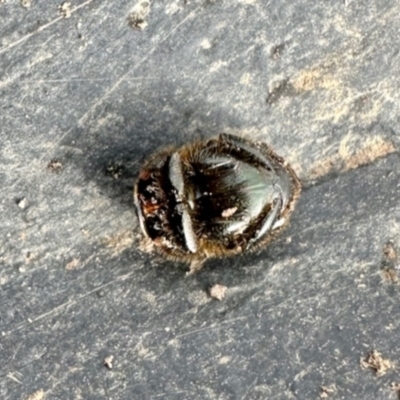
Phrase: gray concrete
[319,81]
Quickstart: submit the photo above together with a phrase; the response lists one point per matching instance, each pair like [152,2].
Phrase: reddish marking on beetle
[145,175]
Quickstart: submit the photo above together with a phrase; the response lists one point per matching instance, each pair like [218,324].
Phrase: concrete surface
[84,99]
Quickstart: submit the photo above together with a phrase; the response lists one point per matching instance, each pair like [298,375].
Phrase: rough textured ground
[90,88]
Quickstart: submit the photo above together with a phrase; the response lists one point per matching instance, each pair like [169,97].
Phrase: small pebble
[218,291]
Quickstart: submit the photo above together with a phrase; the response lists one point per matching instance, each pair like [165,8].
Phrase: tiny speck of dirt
[22,203]
[376,362]
[279,89]
[29,257]
[54,165]
[218,292]
[38,395]
[396,388]
[276,51]
[65,9]
[72,264]
[389,251]
[115,169]
[137,23]
[26,3]
[327,391]
[108,362]
[390,275]
[137,18]
[390,263]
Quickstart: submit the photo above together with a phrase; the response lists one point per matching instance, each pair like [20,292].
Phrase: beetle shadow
[111,151]
[250,267]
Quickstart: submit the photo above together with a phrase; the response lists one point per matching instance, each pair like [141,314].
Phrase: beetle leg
[139,212]
[243,145]
[268,223]
[190,238]
[175,174]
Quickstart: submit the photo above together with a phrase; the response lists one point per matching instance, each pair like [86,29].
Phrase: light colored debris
[65,9]
[375,361]
[26,3]
[38,395]
[73,264]
[218,292]
[390,275]
[22,203]
[108,362]
[137,18]
[327,391]
[389,251]
[54,165]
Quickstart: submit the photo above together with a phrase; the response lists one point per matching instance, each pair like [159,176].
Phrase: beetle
[214,198]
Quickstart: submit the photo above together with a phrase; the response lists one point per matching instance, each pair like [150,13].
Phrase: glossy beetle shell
[214,198]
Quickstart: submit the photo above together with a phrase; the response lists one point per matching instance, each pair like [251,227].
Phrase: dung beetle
[214,198]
